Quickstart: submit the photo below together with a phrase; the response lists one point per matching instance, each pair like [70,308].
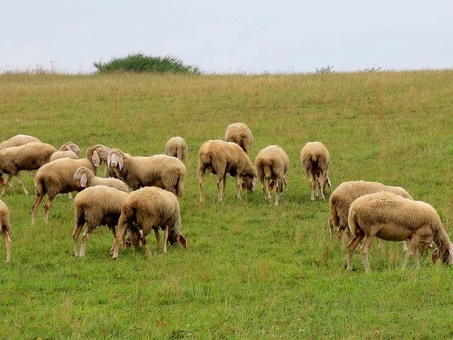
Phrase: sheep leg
[201,173]
[85,236]
[278,190]
[7,183]
[364,249]
[75,238]
[165,238]
[221,181]
[238,187]
[412,250]
[21,182]
[266,190]
[350,249]
[156,232]
[7,238]
[122,227]
[35,208]
[112,229]
[47,208]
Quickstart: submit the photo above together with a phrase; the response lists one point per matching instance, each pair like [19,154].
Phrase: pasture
[251,270]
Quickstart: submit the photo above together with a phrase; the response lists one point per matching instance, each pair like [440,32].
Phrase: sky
[232,36]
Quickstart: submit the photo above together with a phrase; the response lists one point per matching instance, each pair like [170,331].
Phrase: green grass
[252,270]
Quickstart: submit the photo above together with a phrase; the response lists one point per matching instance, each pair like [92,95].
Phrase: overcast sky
[229,36]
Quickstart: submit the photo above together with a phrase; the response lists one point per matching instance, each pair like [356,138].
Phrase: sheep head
[445,253]
[248,183]
[115,159]
[81,177]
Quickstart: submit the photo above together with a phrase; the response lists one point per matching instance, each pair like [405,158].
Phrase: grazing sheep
[69,150]
[240,134]
[394,218]
[272,163]
[96,206]
[177,147]
[18,140]
[221,158]
[342,197]
[30,156]
[57,177]
[150,208]
[315,159]
[5,228]
[162,171]
[85,178]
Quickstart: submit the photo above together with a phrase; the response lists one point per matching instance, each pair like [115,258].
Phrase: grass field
[251,270]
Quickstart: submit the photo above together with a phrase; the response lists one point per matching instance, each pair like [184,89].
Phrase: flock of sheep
[137,194]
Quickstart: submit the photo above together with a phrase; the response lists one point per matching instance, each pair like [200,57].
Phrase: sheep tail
[352,221]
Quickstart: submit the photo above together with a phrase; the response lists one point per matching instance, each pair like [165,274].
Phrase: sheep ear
[108,161]
[120,163]
[183,241]
[95,159]
[83,180]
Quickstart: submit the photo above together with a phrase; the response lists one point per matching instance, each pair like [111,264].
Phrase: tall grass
[252,269]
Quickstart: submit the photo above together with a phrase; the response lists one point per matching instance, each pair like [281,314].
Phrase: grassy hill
[252,269]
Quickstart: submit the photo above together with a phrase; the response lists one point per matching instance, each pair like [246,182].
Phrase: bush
[138,63]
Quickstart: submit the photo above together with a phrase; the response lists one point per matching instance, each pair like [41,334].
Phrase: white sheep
[30,156]
[221,158]
[163,171]
[315,159]
[240,134]
[394,218]
[272,163]
[85,178]
[57,177]
[69,150]
[5,228]
[150,208]
[18,140]
[177,147]
[346,193]
[96,206]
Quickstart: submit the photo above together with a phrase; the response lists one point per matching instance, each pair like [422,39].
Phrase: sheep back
[240,134]
[162,171]
[18,140]
[177,147]
[30,156]
[347,192]
[98,205]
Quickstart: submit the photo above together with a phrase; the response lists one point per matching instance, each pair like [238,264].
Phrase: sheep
[394,218]
[163,171]
[272,163]
[177,147]
[30,156]
[96,206]
[150,208]
[69,150]
[85,178]
[240,134]
[57,177]
[315,159]
[5,228]
[221,158]
[18,140]
[342,197]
